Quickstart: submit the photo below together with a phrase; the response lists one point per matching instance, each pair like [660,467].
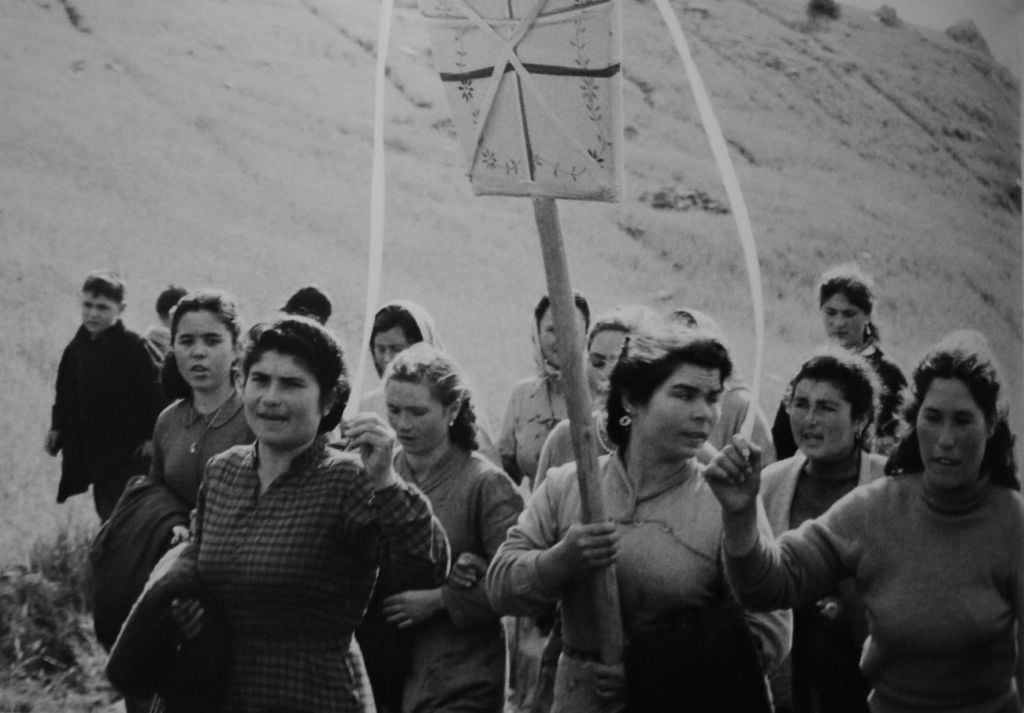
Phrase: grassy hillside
[221,142]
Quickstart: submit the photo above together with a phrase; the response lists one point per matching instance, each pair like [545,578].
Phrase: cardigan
[832,673]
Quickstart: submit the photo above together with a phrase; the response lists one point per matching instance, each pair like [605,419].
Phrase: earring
[451,423]
[625,420]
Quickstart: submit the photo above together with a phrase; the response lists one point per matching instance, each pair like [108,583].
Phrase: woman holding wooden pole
[687,642]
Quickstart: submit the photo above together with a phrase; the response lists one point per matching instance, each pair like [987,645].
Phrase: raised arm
[401,522]
[802,566]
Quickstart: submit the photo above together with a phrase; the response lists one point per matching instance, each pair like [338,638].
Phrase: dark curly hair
[221,305]
[311,344]
[649,359]
[309,301]
[167,299]
[967,357]
[427,365]
[852,374]
[856,286]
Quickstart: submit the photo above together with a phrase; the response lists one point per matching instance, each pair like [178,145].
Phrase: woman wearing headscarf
[605,341]
[537,403]
[846,298]
[398,325]
[536,406]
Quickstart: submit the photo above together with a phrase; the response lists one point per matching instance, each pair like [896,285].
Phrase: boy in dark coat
[108,398]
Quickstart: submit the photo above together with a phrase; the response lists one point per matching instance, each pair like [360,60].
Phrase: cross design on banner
[508,57]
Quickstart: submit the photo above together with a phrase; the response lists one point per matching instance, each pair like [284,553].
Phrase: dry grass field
[228,143]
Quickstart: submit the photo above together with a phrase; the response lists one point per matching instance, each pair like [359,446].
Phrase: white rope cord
[739,206]
[377,196]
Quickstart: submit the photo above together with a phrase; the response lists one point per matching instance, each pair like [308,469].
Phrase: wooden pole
[581,421]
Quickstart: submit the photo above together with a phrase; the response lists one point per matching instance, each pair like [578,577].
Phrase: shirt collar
[227,411]
[303,461]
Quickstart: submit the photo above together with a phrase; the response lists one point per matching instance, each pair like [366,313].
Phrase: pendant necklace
[209,422]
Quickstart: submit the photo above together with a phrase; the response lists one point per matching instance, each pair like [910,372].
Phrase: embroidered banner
[535,92]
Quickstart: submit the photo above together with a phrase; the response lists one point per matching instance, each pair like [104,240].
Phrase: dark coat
[151,657]
[127,548]
[108,398]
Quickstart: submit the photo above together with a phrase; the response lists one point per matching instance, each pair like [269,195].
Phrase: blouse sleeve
[156,465]
[507,438]
[498,505]
[773,629]
[413,538]
[485,441]
[547,456]
[802,565]
[191,550]
[514,584]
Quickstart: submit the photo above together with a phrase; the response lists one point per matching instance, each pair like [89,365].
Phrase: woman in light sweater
[936,551]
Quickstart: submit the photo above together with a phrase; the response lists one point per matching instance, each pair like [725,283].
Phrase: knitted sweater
[942,584]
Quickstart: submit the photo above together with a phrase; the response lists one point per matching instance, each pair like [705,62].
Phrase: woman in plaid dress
[289,533]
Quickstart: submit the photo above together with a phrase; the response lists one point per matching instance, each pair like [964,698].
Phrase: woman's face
[845,323]
[387,345]
[283,402]
[419,419]
[204,351]
[680,414]
[602,356]
[823,427]
[952,431]
[548,340]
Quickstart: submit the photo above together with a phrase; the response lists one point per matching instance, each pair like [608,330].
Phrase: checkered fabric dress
[293,570]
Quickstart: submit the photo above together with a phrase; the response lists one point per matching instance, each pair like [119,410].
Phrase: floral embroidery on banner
[488,158]
[589,90]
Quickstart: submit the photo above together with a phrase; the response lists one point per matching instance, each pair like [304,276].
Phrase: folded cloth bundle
[151,656]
